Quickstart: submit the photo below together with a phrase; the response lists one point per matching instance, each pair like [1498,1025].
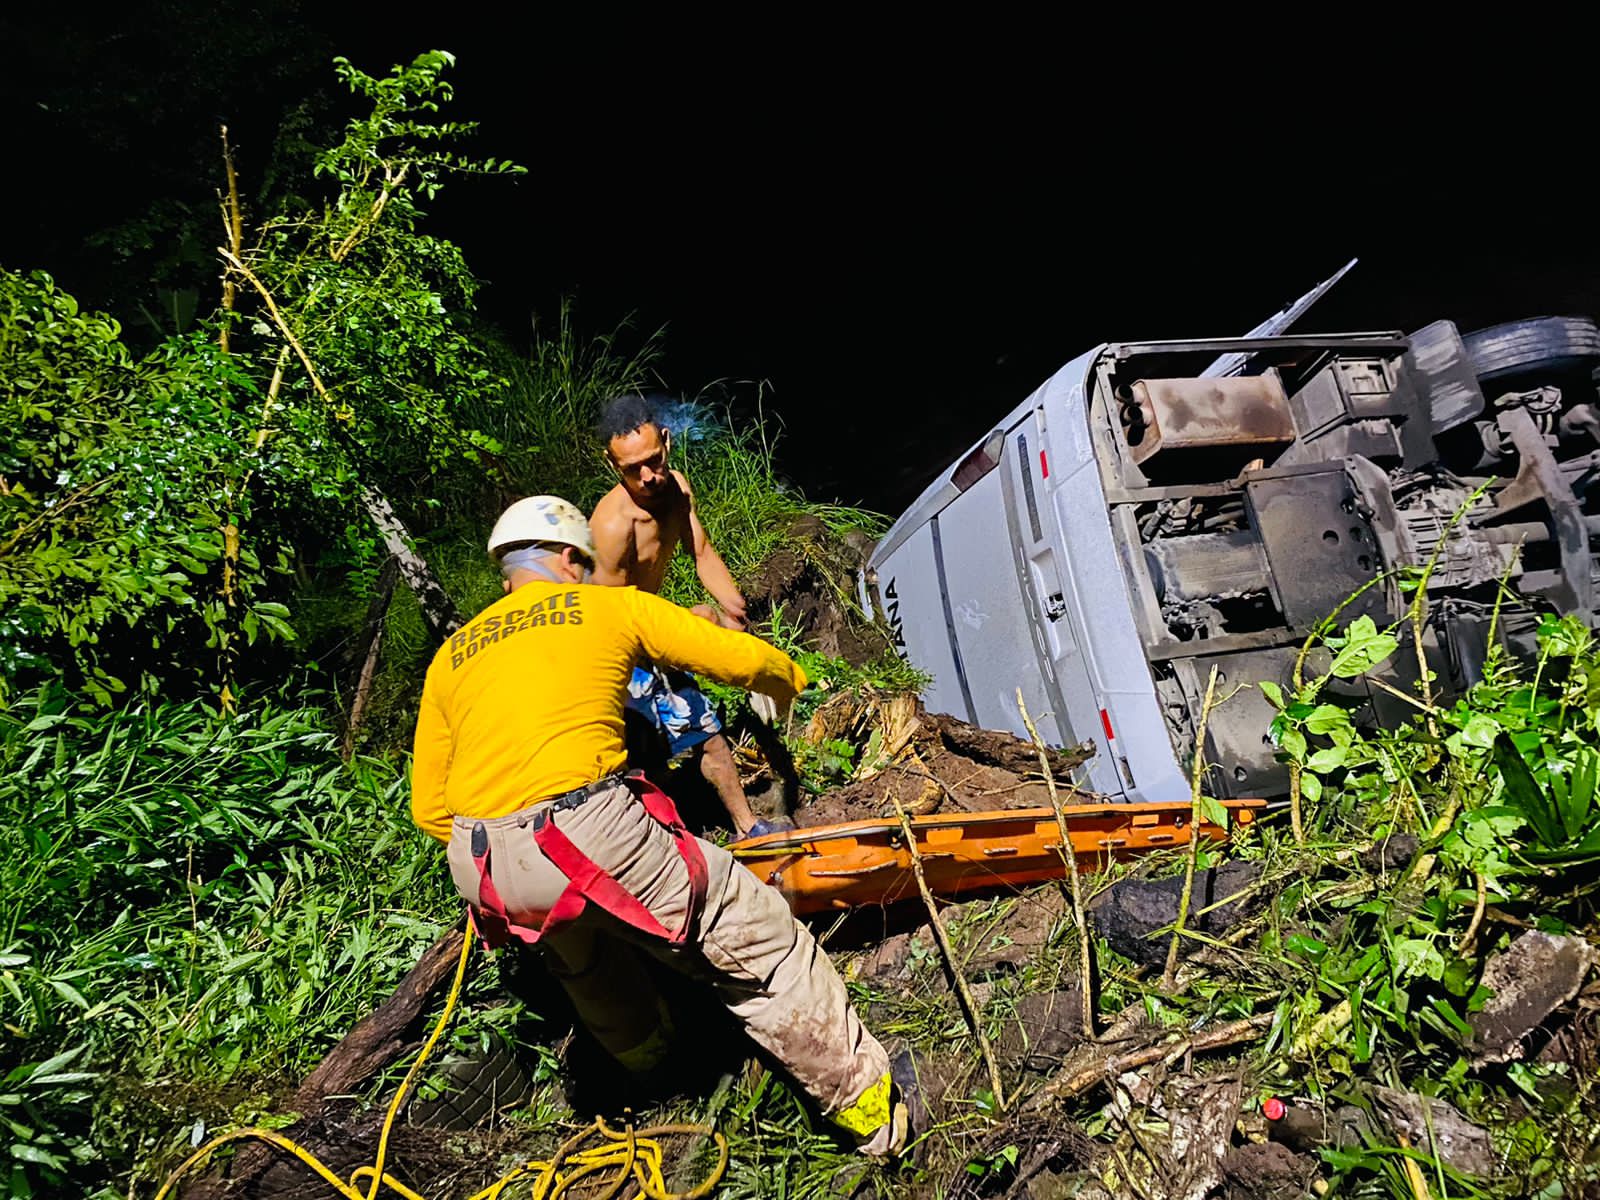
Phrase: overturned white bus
[1157,508]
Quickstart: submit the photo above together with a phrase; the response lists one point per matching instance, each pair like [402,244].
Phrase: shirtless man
[638,526]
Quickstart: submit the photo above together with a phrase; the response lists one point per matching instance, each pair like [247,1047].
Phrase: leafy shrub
[114,485]
[188,904]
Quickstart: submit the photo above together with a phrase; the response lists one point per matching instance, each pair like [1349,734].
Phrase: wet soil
[951,767]
[1537,974]
[1266,1171]
[1130,912]
[810,578]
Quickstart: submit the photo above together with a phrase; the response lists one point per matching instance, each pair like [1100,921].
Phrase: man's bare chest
[655,541]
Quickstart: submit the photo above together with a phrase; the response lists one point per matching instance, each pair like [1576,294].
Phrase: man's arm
[708,563]
[430,767]
[615,552]
[675,637]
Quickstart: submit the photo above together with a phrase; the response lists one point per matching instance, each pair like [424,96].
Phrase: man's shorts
[673,704]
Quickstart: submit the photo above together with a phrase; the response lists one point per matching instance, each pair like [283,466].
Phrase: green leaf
[1458,977]
[1417,956]
[1273,692]
[1578,800]
[1310,788]
[1523,794]
[1303,944]
[1327,760]
[1214,810]
[1327,718]
[65,1077]
[1293,742]
[69,993]
[1361,1029]
[1480,730]
[1364,648]
[23,1152]
[1449,1017]
[51,1065]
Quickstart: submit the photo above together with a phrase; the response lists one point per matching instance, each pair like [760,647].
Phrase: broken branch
[1064,1087]
[1476,923]
[277,319]
[969,1006]
[233,222]
[1170,975]
[1069,857]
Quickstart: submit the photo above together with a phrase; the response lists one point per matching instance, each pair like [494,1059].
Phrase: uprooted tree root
[926,762]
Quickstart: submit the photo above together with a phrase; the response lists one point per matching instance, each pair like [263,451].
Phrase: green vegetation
[1383,973]
[201,893]
[191,916]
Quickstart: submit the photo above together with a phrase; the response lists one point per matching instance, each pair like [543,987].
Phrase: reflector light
[980,462]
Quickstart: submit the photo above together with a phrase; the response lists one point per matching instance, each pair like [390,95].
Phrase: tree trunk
[372,639]
[438,611]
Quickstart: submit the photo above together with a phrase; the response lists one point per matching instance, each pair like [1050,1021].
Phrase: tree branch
[371,219]
[1069,857]
[233,222]
[1170,975]
[969,1006]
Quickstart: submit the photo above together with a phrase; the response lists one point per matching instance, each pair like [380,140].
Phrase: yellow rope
[634,1155]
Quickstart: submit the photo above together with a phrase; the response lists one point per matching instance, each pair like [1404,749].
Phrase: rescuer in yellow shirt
[518,770]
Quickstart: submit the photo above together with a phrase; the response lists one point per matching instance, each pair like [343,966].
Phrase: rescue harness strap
[587,880]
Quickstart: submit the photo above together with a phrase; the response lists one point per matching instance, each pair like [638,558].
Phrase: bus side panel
[1140,746]
[989,611]
[1061,660]
[913,603]
[1135,750]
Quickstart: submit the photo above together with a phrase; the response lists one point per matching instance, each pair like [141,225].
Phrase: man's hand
[771,709]
[722,617]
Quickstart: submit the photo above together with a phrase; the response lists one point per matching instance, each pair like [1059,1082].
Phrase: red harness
[587,882]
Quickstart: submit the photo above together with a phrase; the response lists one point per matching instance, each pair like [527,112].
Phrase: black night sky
[900,230]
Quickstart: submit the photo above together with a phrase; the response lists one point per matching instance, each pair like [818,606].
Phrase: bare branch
[1069,857]
[969,1006]
[1169,977]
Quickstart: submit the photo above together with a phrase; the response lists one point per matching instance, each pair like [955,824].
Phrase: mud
[1461,1144]
[1266,1172]
[810,578]
[1129,913]
[950,766]
[1044,1027]
[886,963]
[1391,854]
[1018,937]
[1054,1162]
[1536,975]
[993,749]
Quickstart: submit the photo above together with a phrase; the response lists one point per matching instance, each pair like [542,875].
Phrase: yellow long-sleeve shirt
[526,700]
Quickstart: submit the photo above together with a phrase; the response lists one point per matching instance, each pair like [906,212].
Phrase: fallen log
[376,1040]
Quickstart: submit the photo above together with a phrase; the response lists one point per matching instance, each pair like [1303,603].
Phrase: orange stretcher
[857,863]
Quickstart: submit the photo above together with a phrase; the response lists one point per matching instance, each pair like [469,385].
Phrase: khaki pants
[763,964]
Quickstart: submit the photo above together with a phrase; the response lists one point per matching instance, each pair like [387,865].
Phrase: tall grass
[748,509]
[186,906]
[541,429]
[192,911]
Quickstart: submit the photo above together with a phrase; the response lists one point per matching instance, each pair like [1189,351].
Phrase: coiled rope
[633,1155]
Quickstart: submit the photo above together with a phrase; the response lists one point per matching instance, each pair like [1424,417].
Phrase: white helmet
[542,519]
